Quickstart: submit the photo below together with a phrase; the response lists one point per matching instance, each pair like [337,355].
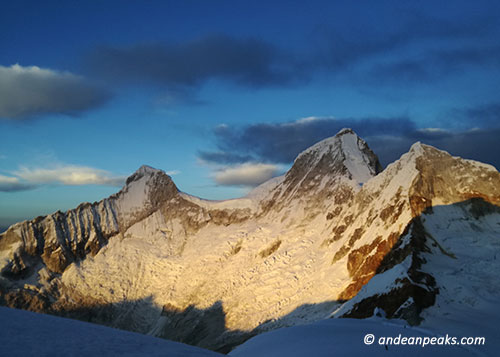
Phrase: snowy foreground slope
[336,236]
[345,337]
[24,333]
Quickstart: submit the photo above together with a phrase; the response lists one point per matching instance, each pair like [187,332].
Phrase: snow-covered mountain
[334,237]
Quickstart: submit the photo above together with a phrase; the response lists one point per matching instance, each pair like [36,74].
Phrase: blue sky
[223,95]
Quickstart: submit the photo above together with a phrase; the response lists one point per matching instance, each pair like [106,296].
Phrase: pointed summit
[145,171]
[343,154]
[145,190]
[345,131]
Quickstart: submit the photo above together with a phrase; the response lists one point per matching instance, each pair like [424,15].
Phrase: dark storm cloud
[247,62]
[480,55]
[432,65]
[481,145]
[360,42]
[16,187]
[373,52]
[389,138]
[224,157]
[422,49]
[27,92]
[487,115]
[281,143]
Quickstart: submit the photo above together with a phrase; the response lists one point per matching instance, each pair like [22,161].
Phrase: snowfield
[345,337]
[24,333]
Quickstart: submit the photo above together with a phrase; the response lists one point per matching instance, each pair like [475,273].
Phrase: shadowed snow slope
[26,333]
[335,236]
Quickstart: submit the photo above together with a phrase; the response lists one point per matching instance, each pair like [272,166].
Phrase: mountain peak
[345,152]
[420,148]
[324,146]
[345,131]
[143,171]
[147,170]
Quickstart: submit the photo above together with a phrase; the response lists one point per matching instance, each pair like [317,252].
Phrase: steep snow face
[345,153]
[144,191]
[323,178]
[214,273]
[356,160]
[135,195]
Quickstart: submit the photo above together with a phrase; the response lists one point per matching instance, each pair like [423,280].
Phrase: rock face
[334,237]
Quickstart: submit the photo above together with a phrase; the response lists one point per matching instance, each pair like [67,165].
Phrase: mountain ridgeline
[336,236]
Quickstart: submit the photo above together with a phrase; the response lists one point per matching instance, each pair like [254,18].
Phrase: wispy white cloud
[248,174]
[307,120]
[68,175]
[30,91]
[28,178]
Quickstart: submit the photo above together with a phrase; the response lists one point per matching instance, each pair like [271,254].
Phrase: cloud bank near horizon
[26,178]
[247,174]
